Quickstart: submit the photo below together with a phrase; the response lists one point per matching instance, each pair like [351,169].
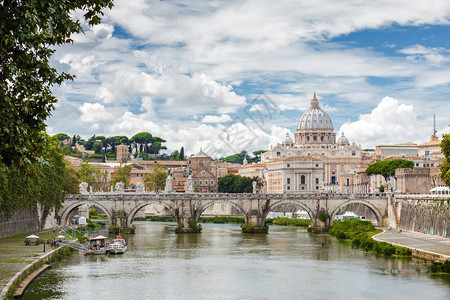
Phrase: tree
[235,184]
[143,139]
[182,153]
[40,183]
[97,147]
[122,175]
[157,179]
[257,154]
[62,136]
[445,166]
[387,167]
[71,181]
[29,32]
[175,155]
[89,144]
[92,175]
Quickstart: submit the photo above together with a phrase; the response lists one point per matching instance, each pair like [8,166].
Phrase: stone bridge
[122,208]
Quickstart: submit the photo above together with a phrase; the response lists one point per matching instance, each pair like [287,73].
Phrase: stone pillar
[83,211]
[189,185]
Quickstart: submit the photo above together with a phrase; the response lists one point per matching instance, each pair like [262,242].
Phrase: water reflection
[224,263]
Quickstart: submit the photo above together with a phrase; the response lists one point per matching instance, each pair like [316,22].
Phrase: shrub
[323,216]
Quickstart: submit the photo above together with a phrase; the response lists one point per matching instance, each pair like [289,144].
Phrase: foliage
[71,181]
[381,188]
[289,222]
[350,228]
[157,179]
[387,167]
[62,136]
[92,175]
[122,175]
[232,183]
[42,183]
[439,267]
[323,216]
[222,220]
[175,155]
[181,157]
[445,166]
[360,232]
[257,155]
[251,228]
[29,32]
[237,158]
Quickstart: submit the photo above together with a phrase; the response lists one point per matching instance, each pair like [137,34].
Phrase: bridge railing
[221,196]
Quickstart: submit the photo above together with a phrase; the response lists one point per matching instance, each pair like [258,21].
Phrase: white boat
[118,246]
[97,246]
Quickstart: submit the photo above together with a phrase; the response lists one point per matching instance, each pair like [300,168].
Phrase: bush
[323,216]
[439,267]
[289,222]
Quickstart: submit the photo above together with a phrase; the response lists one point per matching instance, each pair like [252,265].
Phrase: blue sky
[190,71]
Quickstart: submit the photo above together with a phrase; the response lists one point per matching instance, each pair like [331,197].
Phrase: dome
[343,139]
[315,118]
[201,154]
[287,139]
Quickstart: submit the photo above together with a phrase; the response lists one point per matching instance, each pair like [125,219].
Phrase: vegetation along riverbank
[361,232]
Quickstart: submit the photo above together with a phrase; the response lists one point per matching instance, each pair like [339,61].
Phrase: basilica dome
[315,118]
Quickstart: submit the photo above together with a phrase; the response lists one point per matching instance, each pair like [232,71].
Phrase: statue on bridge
[140,187]
[189,185]
[83,188]
[120,187]
[168,187]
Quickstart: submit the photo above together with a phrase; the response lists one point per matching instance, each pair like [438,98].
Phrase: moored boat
[118,246]
[97,246]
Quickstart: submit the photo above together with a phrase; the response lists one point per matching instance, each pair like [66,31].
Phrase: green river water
[223,263]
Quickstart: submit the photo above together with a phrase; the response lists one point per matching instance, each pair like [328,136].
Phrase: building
[414,181]
[202,172]
[294,174]
[431,150]
[315,137]
[397,151]
[122,153]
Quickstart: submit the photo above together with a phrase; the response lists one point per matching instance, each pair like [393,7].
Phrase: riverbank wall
[20,222]
[425,214]
[20,276]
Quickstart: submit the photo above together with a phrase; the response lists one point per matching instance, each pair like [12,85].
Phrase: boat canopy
[32,237]
[100,237]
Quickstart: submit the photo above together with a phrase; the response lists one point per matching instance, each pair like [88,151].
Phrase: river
[223,263]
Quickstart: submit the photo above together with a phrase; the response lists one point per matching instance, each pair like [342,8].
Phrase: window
[317,165]
[302,179]
[206,182]
[353,153]
[288,188]
[212,182]
[195,182]
[278,153]
[288,181]
[303,188]
[200,182]
[200,164]
[315,138]
[317,187]
[348,182]
[317,180]
[333,167]
[288,165]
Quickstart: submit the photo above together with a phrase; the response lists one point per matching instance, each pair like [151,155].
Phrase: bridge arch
[298,203]
[140,206]
[67,210]
[228,202]
[372,207]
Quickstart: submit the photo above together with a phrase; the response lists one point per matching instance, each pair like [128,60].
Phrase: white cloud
[172,64]
[389,123]
[419,53]
[216,119]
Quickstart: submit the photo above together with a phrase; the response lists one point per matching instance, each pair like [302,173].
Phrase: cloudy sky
[233,75]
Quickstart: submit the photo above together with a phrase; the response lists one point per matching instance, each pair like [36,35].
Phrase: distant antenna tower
[434,125]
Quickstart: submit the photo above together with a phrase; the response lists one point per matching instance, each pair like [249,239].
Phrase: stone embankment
[424,246]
